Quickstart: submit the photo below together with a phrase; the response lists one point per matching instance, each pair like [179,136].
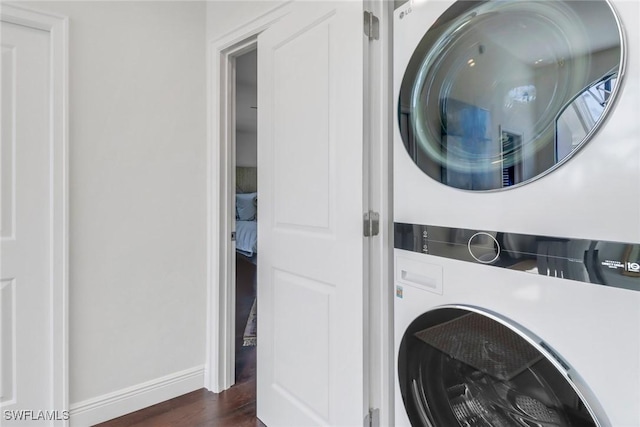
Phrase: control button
[483,247]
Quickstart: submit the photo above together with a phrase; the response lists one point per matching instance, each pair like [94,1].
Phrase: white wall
[246,112]
[224,17]
[246,149]
[137,151]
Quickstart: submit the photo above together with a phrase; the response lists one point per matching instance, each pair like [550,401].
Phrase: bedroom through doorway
[246,217]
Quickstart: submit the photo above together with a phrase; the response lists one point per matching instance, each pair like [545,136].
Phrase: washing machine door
[498,93]
[464,367]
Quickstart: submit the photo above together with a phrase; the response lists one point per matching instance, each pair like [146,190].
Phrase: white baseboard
[130,399]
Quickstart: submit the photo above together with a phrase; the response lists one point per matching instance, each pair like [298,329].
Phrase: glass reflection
[579,117]
[499,92]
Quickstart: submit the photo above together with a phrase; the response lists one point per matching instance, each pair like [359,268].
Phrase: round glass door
[498,93]
[461,368]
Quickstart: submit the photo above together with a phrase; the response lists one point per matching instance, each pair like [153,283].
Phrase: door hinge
[233,236]
[371,26]
[371,224]
[373,418]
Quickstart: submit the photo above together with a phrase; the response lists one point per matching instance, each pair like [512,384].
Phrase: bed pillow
[246,206]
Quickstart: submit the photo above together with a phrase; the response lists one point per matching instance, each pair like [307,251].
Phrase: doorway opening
[246,219]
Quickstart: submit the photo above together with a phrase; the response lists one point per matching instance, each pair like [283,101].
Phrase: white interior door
[310,273]
[26,257]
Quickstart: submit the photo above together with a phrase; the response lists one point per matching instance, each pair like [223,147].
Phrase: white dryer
[517,213]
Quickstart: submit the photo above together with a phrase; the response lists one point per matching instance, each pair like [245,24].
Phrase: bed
[247,238]
[247,212]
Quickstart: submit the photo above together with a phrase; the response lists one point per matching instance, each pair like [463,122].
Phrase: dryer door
[498,93]
[461,367]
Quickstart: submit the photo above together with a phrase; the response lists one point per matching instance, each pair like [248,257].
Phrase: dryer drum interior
[462,368]
[499,93]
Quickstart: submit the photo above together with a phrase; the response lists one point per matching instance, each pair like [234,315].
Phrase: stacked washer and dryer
[517,213]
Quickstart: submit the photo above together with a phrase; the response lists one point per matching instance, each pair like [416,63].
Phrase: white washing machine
[517,213]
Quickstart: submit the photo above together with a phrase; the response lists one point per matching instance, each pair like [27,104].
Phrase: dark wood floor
[234,407]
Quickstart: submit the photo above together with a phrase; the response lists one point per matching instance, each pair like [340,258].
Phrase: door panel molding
[311,290]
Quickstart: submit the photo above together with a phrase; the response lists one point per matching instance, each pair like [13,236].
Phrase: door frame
[378,123]
[221,54]
[58,28]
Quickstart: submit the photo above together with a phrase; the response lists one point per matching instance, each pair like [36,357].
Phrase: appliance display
[613,264]
[517,213]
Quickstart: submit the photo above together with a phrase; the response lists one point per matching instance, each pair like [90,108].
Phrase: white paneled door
[310,272]
[29,323]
